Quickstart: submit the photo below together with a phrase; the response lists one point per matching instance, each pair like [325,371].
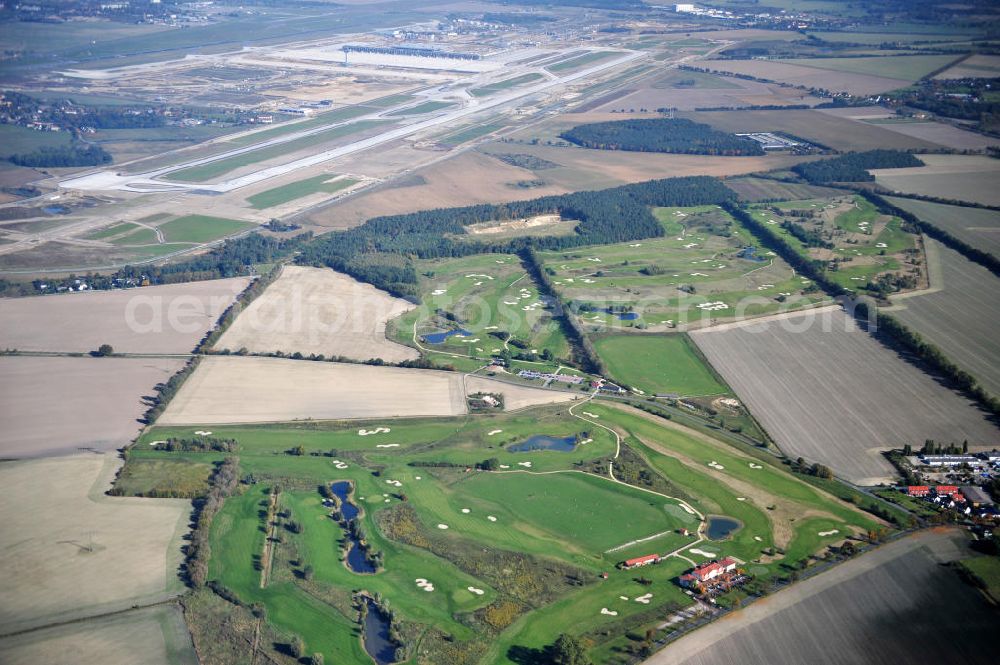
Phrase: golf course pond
[442,337]
[357,558]
[721,527]
[563,444]
[376,635]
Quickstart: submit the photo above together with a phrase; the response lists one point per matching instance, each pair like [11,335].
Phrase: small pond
[623,316]
[721,528]
[441,337]
[357,558]
[544,442]
[56,210]
[376,635]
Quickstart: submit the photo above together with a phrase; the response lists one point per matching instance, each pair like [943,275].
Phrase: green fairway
[506,84]
[697,271]
[219,167]
[296,190]
[515,555]
[201,228]
[111,231]
[659,364]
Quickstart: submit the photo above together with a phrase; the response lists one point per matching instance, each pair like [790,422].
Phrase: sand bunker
[476,591]
[644,599]
[387,445]
[442,526]
[829,533]
[610,613]
[377,430]
[704,553]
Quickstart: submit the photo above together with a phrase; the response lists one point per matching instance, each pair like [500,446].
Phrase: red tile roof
[649,558]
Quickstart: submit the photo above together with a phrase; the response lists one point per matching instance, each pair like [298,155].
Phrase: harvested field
[79,553]
[976,226]
[157,319]
[872,610]
[902,67]
[823,128]
[148,636]
[247,390]
[941,133]
[829,392]
[317,310]
[762,189]
[978,66]
[59,404]
[960,314]
[960,177]
[676,90]
[798,75]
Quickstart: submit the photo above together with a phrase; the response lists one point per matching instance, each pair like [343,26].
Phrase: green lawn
[168,476]
[296,190]
[504,85]
[201,228]
[220,167]
[426,107]
[581,61]
[987,569]
[659,364]
[328,118]
[113,230]
[15,140]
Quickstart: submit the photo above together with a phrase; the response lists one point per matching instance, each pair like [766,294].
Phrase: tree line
[379,251]
[853,167]
[222,485]
[673,135]
[74,154]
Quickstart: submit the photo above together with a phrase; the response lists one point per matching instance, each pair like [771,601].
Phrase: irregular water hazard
[544,442]
[721,527]
[442,337]
[376,640]
[357,557]
[623,316]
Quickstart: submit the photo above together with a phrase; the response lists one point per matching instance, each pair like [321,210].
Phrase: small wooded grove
[661,135]
[853,167]
[379,250]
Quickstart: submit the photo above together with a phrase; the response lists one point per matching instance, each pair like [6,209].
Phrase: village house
[918,490]
[640,561]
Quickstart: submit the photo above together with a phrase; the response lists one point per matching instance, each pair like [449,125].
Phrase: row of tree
[673,135]
[223,484]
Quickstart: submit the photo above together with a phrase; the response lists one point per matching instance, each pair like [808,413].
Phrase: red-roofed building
[641,561]
[918,490]
[712,570]
[943,490]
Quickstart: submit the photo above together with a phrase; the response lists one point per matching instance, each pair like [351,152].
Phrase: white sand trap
[476,591]
[527,465]
[156,443]
[758,539]
[419,477]
[644,599]
[505,466]
[508,302]
[687,509]
[429,588]
[491,518]
[829,533]
[420,581]
[466,511]
[442,526]
[394,483]
[755,466]
[716,465]
[590,415]
[386,501]
[387,445]
[439,292]
[203,432]
[586,441]
[610,613]
[340,465]
[623,597]
[493,432]
[741,498]
[704,553]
